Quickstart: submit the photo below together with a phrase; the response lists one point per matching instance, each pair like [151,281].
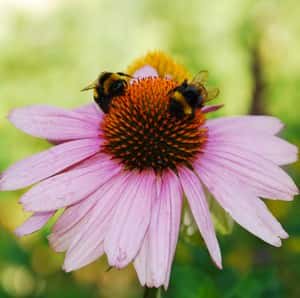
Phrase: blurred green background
[50,49]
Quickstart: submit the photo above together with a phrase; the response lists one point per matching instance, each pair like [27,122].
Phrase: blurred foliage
[50,49]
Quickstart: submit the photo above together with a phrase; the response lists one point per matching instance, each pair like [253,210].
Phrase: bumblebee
[189,96]
[107,86]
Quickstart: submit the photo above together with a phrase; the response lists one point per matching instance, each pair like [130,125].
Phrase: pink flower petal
[54,123]
[70,222]
[47,163]
[211,108]
[33,223]
[70,187]
[238,124]
[131,220]
[268,146]
[154,260]
[86,245]
[73,214]
[241,204]
[91,112]
[265,178]
[157,243]
[199,207]
[61,241]
[145,71]
[141,263]
[176,206]
[92,253]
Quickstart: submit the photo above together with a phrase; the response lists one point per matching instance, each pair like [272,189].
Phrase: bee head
[114,84]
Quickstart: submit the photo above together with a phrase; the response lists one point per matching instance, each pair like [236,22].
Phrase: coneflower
[121,177]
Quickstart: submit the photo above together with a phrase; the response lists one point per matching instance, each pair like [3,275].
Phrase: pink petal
[199,207]
[73,214]
[70,187]
[141,263]
[145,71]
[69,223]
[211,108]
[131,220]
[176,206]
[61,241]
[241,204]
[157,243]
[33,223]
[265,178]
[87,257]
[47,163]
[268,146]
[154,260]
[91,112]
[86,246]
[54,123]
[238,124]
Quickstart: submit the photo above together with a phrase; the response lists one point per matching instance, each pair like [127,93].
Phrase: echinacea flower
[121,177]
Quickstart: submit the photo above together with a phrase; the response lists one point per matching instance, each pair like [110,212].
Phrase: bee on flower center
[107,86]
[189,96]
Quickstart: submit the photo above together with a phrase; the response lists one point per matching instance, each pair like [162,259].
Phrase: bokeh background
[50,49]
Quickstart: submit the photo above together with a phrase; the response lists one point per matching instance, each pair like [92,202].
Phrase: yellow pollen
[164,65]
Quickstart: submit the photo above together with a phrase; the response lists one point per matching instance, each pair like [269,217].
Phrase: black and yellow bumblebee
[189,96]
[107,86]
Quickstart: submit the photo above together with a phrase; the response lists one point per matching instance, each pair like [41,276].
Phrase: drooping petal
[131,220]
[240,203]
[154,260]
[211,108]
[73,214]
[265,178]
[91,112]
[176,206]
[34,223]
[141,263]
[47,163]
[70,223]
[53,123]
[200,210]
[145,71]
[87,244]
[70,187]
[266,124]
[90,255]
[61,241]
[268,146]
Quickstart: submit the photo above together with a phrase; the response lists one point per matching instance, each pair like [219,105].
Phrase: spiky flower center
[140,132]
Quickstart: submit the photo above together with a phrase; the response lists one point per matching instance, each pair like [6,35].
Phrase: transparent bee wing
[212,93]
[201,77]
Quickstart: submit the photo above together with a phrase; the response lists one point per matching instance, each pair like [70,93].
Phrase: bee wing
[200,78]
[212,93]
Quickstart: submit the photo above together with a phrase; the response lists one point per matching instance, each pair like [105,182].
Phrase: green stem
[152,293]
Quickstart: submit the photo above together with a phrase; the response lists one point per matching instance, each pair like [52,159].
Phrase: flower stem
[153,293]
